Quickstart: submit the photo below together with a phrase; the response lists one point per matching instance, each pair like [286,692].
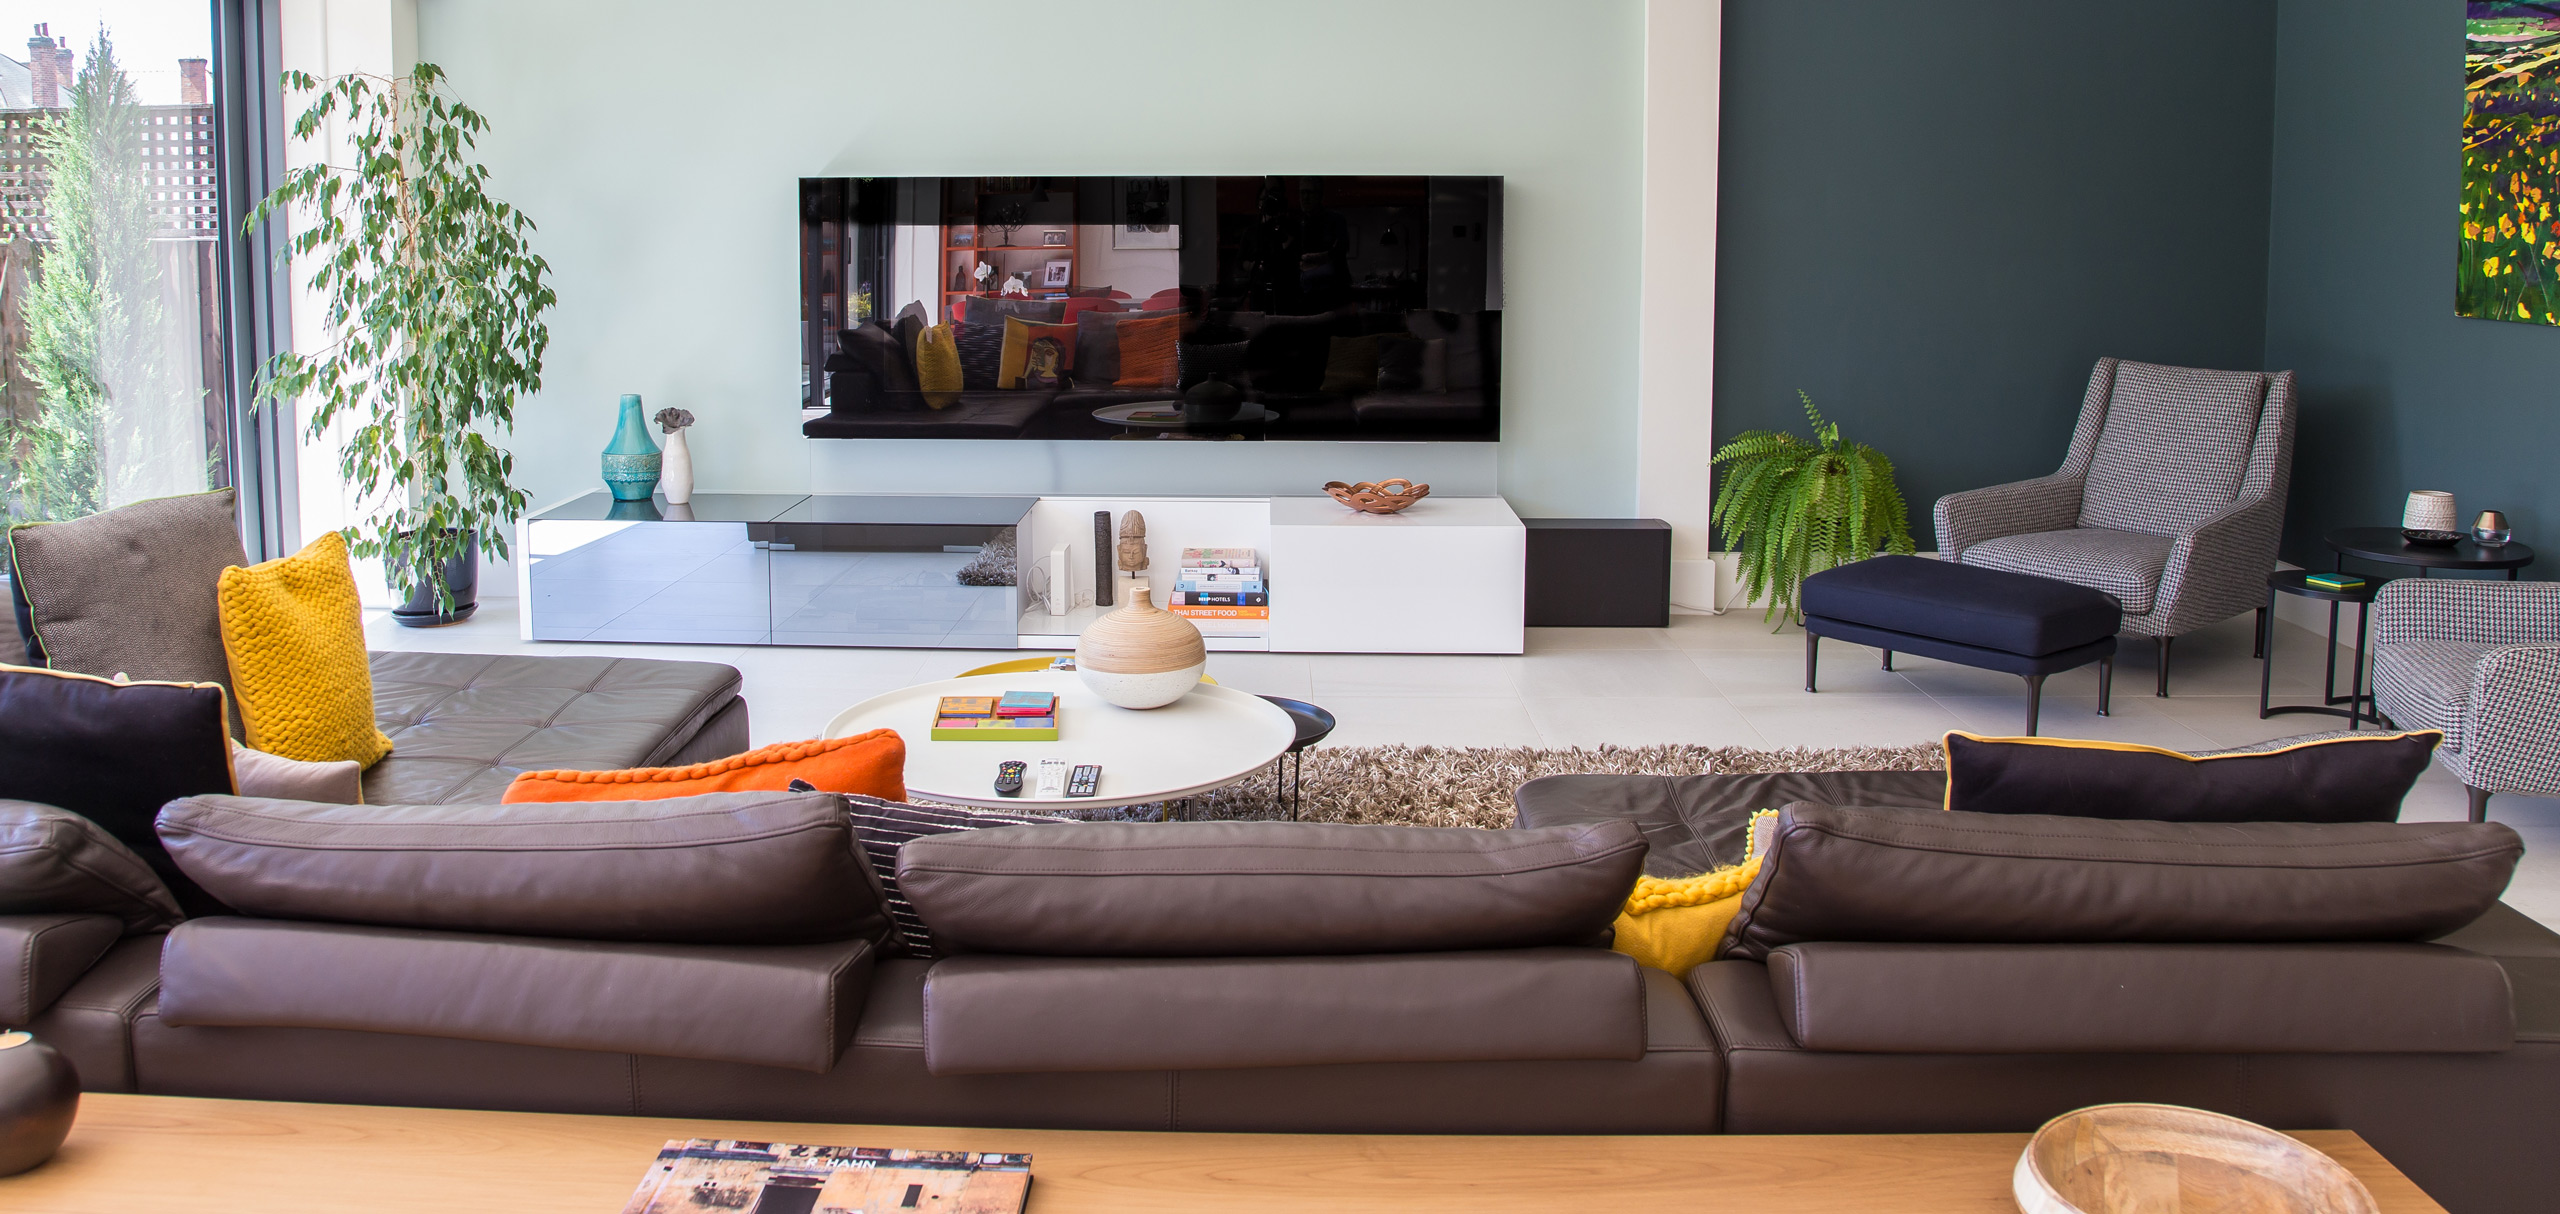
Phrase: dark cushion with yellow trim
[114,753]
[2354,778]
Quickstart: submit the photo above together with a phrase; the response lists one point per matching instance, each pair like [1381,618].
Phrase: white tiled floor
[1717,681]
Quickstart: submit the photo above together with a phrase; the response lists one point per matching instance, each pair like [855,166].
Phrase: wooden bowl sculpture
[1383,497]
[2165,1159]
[1141,656]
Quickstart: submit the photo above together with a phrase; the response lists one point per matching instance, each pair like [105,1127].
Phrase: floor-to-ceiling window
[117,383]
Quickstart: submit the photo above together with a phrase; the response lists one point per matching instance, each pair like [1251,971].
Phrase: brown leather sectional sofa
[724,956]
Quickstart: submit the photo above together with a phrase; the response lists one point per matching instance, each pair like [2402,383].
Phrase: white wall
[1683,43]
[659,145]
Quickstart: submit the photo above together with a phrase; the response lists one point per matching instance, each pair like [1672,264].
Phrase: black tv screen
[1152,308]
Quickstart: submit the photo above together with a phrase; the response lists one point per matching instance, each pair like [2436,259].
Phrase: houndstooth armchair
[2480,661]
[2171,499]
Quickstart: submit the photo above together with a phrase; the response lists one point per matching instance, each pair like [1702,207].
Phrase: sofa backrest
[1886,875]
[725,868]
[1238,889]
[2176,445]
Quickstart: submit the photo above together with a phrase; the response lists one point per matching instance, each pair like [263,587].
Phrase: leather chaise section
[988,1014]
[2141,998]
[41,956]
[462,725]
[785,1006]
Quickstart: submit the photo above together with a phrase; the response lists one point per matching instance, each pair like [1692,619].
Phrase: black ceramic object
[39,1093]
[1212,400]
[462,576]
[2431,539]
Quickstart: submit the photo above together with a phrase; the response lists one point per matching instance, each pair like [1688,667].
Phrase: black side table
[2289,581]
[2386,545]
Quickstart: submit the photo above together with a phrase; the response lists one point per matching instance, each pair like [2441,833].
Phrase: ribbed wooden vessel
[1141,656]
[2166,1159]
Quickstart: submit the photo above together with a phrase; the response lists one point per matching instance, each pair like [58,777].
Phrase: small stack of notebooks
[2333,581]
[1015,716]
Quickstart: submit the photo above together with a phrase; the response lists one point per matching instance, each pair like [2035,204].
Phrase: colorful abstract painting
[2509,267]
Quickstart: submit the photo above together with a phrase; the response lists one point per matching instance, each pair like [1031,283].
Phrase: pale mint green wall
[659,144]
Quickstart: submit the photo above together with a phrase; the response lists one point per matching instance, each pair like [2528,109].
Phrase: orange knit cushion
[873,764]
[1147,352]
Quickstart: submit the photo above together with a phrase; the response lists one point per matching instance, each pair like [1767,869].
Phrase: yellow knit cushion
[294,635]
[937,356]
[1676,924]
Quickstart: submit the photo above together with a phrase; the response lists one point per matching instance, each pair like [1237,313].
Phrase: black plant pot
[461,576]
[39,1093]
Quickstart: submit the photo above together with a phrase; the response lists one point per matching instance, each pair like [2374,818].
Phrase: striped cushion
[2172,449]
[886,826]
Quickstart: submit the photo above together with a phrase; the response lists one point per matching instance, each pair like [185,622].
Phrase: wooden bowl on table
[2165,1159]
[1383,497]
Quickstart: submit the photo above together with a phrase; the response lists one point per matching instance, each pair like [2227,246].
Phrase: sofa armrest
[2218,568]
[2511,741]
[2471,612]
[2047,503]
[42,955]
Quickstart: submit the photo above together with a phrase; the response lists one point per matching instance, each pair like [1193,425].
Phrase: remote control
[1087,778]
[1053,779]
[1009,778]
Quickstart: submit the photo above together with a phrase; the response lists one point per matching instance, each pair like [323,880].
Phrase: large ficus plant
[435,304]
[1788,508]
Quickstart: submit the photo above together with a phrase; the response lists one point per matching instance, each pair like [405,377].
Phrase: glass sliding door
[112,334]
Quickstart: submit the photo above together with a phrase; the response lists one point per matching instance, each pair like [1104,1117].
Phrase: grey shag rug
[1471,786]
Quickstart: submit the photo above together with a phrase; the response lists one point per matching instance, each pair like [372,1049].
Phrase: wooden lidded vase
[1141,656]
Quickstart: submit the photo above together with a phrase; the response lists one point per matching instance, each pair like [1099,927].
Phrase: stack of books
[1015,716]
[1220,584]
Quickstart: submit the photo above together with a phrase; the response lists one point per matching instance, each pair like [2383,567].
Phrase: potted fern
[1788,508]
[435,303]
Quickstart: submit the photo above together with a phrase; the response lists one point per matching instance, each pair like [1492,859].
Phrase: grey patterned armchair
[2171,499]
[2480,661]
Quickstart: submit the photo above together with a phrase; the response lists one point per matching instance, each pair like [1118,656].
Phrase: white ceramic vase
[1141,656]
[675,469]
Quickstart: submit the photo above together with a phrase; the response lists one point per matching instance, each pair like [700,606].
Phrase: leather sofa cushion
[986,1014]
[42,955]
[1986,608]
[55,861]
[2141,998]
[464,724]
[724,868]
[785,1006]
[1231,889]
[1697,824]
[2356,777]
[92,1023]
[1953,877]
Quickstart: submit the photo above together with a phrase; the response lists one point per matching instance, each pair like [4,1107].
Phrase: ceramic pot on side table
[1141,656]
[39,1093]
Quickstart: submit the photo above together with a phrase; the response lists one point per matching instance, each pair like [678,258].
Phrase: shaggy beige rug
[1471,786]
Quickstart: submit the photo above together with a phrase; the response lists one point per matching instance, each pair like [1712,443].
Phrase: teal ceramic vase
[631,459]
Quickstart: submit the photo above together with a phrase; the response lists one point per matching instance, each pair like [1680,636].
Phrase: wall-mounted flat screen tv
[1152,308]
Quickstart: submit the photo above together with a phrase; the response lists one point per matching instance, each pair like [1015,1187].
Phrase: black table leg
[2258,639]
[2355,673]
[1888,659]
[2035,701]
[2106,683]
[1812,652]
[2266,659]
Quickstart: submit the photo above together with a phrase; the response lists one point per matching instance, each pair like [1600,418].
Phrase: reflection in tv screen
[1152,309]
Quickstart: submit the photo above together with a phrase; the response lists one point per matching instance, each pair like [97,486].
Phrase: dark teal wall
[2398,393]
[1935,216]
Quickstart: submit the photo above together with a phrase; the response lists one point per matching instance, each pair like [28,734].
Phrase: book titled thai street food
[724,1174]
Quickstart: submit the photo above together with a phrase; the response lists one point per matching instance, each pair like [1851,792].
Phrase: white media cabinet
[1444,576]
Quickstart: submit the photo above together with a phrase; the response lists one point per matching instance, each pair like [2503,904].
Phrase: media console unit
[1444,576]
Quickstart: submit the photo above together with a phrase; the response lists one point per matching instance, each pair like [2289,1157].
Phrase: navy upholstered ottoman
[1986,618]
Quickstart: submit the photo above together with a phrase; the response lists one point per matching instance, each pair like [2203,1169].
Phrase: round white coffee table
[1208,739]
